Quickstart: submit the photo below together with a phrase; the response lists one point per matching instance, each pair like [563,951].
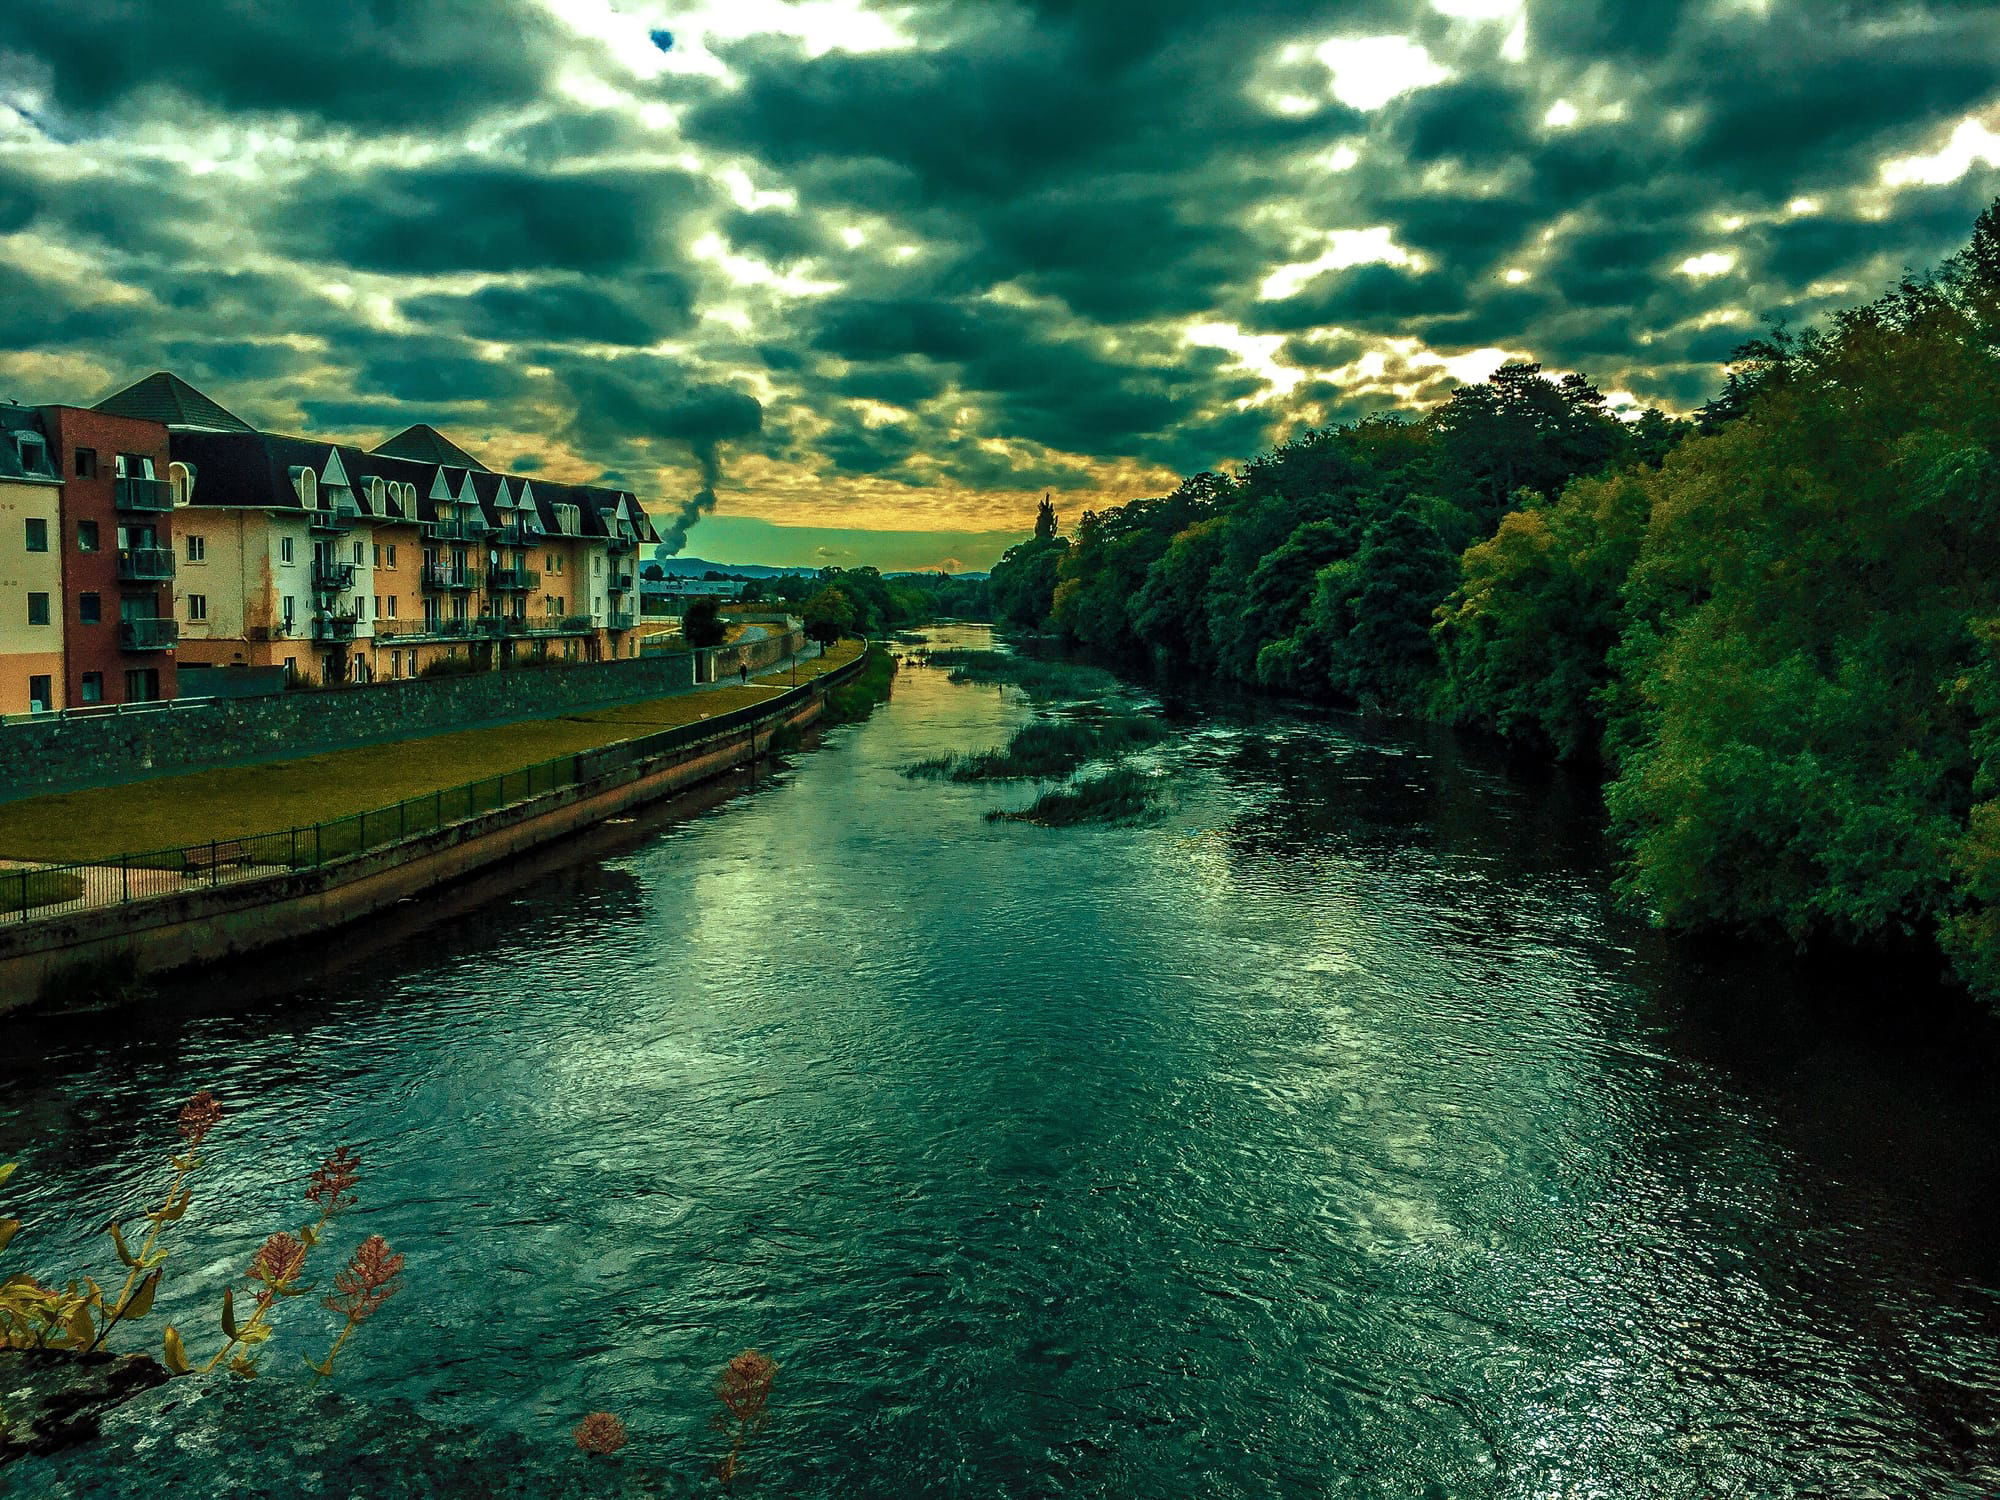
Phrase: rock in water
[51,1399]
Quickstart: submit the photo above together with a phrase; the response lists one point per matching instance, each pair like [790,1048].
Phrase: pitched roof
[165,397]
[426,444]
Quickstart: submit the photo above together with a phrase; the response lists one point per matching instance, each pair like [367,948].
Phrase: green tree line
[1776,626]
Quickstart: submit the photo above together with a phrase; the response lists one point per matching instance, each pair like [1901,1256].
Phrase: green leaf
[8,1229]
[175,1207]
[141,1301]
[118,1242]
[8,1170]
[256,1333]
[176,1359]
[229,1313]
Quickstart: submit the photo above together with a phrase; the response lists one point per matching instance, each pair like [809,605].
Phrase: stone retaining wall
[36,758]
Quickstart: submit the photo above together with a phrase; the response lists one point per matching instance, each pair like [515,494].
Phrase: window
[395,664]
[392,554]
[292,669]
[284,549]
[378,554]
[181,477]
[89,609]
[360,554]
[197,549]
[378,606]
[38,534]
[41,693]
[142,685]
[290,610]
[361,610]
[86,463]
[87,539]
[38,609]
[133,466]
[197,606]
[93,687]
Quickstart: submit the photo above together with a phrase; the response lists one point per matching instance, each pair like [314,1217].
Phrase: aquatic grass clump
[1046,749]
[1120,795]
[855,699]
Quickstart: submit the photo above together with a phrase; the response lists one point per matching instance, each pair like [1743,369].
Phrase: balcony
[451,628]
[147,635]
[142,494]
[145,564]
[333,627]
[446,576]
[620,583]
[513,578]
[617,544]
[514,534]
[332,577]
[619,620]
[334,519]
[572,624]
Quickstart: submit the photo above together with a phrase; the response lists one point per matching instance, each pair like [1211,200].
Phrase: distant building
[694,588]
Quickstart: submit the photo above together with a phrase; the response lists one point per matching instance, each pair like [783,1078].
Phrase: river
[1333,1134]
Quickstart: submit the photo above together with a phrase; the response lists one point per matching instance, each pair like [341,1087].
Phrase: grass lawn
[19,888]
[839,654]
[239,801]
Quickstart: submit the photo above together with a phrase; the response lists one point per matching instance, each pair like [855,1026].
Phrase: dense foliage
[1777,627]
[881,603]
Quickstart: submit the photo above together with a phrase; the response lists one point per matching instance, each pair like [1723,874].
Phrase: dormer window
[181,477]
[306,482]
[33,449]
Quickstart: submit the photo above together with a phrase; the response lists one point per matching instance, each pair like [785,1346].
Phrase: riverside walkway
[72,851]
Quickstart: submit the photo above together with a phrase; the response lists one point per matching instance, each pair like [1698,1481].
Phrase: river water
[1331,1135]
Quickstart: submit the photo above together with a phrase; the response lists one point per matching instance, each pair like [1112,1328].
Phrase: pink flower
[600,1433]
[368,1281]
[199,1116]
[330,1184]
[279,1262]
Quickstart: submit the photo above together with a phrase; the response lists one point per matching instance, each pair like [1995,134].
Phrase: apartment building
[86,560]
[347,565]
[31,595]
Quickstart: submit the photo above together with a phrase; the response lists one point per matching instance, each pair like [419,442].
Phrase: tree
[653,572]
[1045,521]
[1527,635]
[702,625]
[829,615]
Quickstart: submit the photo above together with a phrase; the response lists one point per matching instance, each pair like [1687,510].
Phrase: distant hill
[694,567]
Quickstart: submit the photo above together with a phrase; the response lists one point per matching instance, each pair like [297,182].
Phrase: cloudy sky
[903,266]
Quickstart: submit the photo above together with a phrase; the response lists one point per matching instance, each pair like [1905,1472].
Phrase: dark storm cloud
[647,399]
[491,218]
[1376,298]
[775,236]
[564,311]
[1047,193]
[357,64]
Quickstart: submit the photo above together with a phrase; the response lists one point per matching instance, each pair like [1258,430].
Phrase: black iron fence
[31,894]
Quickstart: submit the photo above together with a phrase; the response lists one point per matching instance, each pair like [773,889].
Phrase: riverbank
[151,916]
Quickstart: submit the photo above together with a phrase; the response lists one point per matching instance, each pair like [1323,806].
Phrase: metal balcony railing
[333,518]
[142,494]
[333,627]
[332,577]
[148,635]
[620,620]
[620,583]
[447,576]
[513,578]
[145,564]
